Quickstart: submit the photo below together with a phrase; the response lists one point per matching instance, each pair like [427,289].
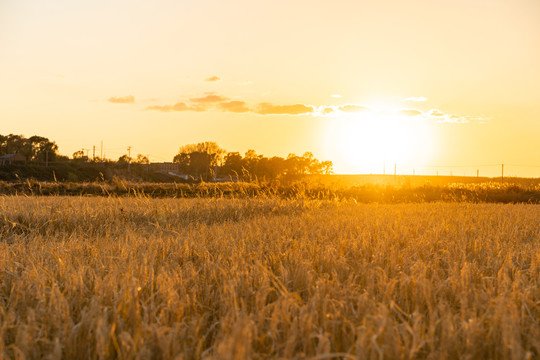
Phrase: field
[267,277]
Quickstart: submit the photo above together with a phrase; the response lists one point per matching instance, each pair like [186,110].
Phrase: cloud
[416,98]
[457,119]
[435,112]
[234,106]
[122,99]
[296,109]
[213,78]
[442,117]
[410,112]
[352,108]
[176,107]
[336,95]
[209,99]
[326,110]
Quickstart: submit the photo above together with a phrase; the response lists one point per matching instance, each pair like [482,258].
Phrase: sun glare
[374,142]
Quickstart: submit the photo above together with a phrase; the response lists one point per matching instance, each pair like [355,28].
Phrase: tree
[124,160]
[35,148]
[79,156]
[233,164]
[327,167]
[42,149]
[141,159]
[200,160]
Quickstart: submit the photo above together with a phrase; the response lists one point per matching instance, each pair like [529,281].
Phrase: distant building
[164,167]
[9,159]
[167,168]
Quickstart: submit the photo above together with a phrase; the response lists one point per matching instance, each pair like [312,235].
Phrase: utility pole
[87,150]
[502,174]
[101,152]
[477,172]
[129,158]
[94,153]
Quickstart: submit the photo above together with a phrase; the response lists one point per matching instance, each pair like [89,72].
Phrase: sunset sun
[375,142]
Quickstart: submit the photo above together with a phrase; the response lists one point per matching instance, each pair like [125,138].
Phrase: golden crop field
[267,278]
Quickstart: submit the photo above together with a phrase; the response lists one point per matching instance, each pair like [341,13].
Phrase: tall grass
[261,278]
[461,192]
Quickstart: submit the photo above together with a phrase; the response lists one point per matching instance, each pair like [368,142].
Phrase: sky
[424,86]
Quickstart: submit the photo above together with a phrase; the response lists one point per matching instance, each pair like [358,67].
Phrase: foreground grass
[522,191]
[267,278]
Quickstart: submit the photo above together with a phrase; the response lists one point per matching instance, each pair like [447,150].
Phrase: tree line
[202,161]
[207,160]
[35,148]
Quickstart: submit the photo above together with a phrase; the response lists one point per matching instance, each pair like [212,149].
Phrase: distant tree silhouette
[124,160]
[233,164]
[35,148]
[42,149]
[141,159]
[254,165]
[79,156]
[200,160]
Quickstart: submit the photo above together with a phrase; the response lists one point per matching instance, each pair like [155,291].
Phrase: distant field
[265,278]
[418,180]
[359,188]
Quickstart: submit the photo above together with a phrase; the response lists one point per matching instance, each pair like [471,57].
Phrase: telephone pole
[94,153]
[502,174]
[129,158]
[101,152]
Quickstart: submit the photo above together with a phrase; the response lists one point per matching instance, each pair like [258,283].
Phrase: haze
[424,85]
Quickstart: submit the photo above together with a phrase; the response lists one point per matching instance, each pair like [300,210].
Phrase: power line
[459,166]
[516,165]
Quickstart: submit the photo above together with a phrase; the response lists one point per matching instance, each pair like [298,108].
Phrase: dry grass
[525,192]
[127,278]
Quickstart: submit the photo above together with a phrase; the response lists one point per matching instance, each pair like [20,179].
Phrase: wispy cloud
[410,112]
[295,109]
[416,98]
[353,108]
[176,107]
[327,110]
[130,99]
[458,119]
[234,106]
[209,99]
[212,101]
[346,108]
[335,95]
[435,113]
[212,78]
[442,117]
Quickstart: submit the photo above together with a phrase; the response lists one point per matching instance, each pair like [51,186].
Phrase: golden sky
[366,84]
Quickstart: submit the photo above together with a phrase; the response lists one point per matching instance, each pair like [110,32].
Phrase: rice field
[267,278]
